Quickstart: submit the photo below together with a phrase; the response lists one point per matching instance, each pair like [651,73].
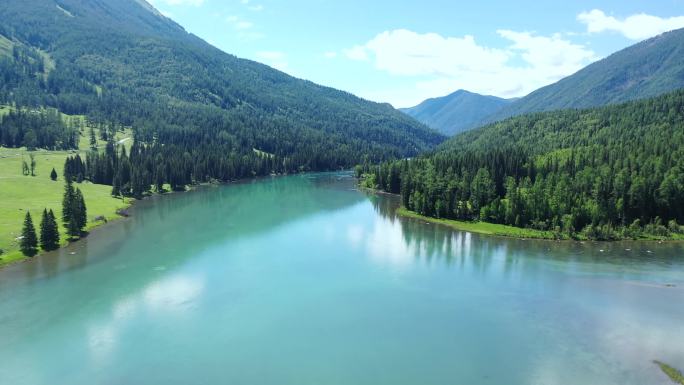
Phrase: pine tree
[93,140]
[54,229]
[80,212]
[53,174]
[44,231]
[116,185]
[67,202]
[72,227]
[49,233]
[29,240]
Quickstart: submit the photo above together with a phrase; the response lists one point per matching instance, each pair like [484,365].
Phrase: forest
[37,129]
[604,173]
[118,63]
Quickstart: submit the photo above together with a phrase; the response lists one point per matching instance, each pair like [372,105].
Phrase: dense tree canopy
[122,63]
[37,129]
[604,171]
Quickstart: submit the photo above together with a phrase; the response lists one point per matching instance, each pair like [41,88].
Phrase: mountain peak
[457,112]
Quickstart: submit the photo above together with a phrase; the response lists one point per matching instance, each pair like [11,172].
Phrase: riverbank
[487,228]
[483,227]
[20,193]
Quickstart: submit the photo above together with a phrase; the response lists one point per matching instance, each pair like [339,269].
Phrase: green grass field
[482,227]
[19,193]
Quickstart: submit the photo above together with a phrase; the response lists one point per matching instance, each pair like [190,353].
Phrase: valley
[524,229]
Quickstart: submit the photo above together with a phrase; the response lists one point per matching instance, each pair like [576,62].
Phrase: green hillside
[123,62]
[604,173]
[647,69]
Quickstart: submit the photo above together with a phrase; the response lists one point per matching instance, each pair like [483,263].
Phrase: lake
[306,280]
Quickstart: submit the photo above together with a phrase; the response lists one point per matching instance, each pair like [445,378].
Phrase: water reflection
[249,283]
[430,243]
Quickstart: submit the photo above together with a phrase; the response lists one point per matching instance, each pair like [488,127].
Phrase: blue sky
[403,52]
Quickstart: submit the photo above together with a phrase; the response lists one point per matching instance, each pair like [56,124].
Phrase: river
[306,280]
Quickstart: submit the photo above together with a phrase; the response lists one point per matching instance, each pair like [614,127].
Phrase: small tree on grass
[29,240]
[67,201]
[25,168]
[33,165]
[49,231]
[74,211]
[53,174]
[80,210]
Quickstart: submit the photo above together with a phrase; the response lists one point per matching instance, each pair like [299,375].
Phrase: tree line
[603,173]
[41,128]
[49,234]
[74,217]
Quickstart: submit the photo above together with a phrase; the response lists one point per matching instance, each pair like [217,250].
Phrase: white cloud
[275,59]
[254,7]
[444,64]
[195,3]
[403,52]
[330,55]
[239,24]
[636,27]
[552,57]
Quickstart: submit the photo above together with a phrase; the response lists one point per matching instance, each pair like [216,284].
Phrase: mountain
[121,62]
[601,173]
[649,68]
[457,112]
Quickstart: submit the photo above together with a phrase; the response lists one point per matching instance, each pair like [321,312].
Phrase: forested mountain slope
[604,173]
[457,112]
[122,63]
[647,69]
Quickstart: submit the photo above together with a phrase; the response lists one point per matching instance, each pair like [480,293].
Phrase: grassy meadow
[19,193]
[482,227]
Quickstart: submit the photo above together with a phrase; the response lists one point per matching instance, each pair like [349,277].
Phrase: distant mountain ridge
[647,69]
[644,70]
[456,112]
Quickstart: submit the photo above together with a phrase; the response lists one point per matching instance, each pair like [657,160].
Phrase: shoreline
[499,230]
[490,229]
[15,257]
[484,228]
[120,213]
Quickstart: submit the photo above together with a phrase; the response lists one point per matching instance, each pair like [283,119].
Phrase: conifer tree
[29,240]
[54,229]
[53,174]
[44,232]
[49,233]
[80,211]
[67,202]
[72,227]
[93,140]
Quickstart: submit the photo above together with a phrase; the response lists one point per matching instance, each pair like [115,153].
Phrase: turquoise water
[305,280]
